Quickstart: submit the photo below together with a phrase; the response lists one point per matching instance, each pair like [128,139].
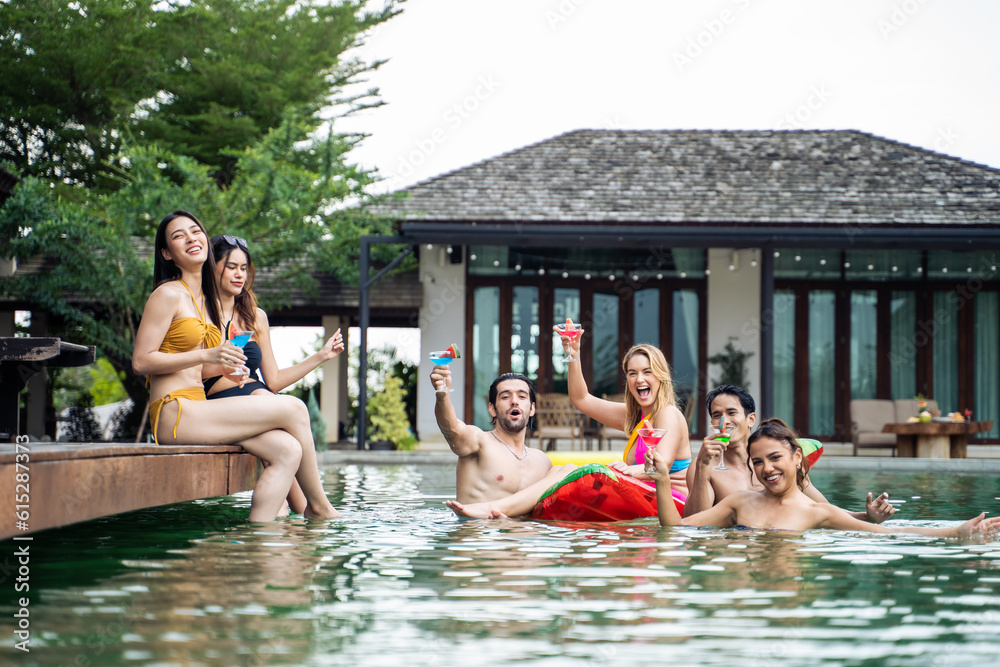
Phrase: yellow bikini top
[188,333]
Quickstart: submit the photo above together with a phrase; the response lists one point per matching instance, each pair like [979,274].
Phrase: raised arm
[276,379]
[722,515]
[701,493]
[461,437]
[609,413]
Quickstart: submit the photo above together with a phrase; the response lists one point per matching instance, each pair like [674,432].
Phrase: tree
[732,363]
[98,272]
[229,90]
[196,76]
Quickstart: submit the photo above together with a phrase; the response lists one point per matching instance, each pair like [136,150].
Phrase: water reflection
[402,581]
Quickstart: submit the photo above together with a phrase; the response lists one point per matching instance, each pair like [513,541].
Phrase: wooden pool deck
[67,483]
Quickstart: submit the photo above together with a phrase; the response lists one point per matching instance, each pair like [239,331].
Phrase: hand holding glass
[652,437]
[439,358]
[239,339]
[723,432]
[570,331]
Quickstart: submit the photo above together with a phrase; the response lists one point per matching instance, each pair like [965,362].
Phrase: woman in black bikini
[235,275]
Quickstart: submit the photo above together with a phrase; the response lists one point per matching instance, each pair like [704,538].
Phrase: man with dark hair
[708,485]
[497,463]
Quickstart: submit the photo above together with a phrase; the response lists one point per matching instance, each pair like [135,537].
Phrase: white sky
[468,79]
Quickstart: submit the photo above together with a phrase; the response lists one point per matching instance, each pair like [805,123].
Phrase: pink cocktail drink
[569,331]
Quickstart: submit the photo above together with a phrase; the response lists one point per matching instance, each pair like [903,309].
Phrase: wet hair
[746,400]
[778,430]
[503,378]
[245,303]
[661,370]
[165,270]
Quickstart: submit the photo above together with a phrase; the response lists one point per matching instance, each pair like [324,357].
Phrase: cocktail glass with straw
[442,358]
[239,339]
[723,432]
[570,331]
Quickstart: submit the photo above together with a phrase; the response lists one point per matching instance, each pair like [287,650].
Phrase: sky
[467,80]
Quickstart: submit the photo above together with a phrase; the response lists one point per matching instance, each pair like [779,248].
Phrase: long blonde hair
[661,370]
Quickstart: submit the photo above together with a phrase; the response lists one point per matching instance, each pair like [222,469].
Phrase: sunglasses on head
[235,241]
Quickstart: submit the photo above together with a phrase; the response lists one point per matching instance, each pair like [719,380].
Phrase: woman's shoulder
[168,293]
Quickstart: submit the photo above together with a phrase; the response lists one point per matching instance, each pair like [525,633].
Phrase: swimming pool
[401,581]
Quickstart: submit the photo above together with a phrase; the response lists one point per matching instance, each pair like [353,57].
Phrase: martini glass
[439,359]
[723,432]
[570,330]
[239,339]
[652,437]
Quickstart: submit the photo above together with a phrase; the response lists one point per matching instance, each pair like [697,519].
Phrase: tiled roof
[712,176]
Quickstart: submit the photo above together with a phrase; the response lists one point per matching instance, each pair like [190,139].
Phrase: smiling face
[775,464]
[232,273]
[513,406]
[642,383]
[730,406]
[186,243]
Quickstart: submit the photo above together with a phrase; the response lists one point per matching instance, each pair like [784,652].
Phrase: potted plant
[390,427]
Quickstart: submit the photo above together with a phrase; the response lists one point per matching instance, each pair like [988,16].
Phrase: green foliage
[732,363]
[196,76]
[387,415]
[97,273]
[316,421]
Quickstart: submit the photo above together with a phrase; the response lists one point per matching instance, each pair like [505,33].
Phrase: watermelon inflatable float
[595,492]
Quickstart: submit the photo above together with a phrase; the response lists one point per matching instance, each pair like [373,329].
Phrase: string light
[798,258]
[541,272]
[517,267]
[472,257]
[822,261]
[777,254]
[586,276]
[565,274]
[496,262]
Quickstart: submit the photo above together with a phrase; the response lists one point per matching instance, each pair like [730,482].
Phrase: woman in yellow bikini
[178,333]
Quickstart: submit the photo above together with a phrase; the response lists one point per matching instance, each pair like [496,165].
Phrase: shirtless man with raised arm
[497,463]
[707,486]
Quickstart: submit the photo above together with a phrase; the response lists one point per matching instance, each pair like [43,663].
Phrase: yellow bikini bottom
[191,393]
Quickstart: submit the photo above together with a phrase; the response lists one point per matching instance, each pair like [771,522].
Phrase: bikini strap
[201,313]
[633,438]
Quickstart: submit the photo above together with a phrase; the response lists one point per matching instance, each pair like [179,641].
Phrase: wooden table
[20,358]
[934,440]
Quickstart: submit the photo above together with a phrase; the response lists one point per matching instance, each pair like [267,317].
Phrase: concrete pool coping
[827,463]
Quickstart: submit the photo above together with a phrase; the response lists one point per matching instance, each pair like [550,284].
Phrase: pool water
[401,581]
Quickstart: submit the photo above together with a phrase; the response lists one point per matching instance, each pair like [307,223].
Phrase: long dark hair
[245,303]
[164,270]
[778,430]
